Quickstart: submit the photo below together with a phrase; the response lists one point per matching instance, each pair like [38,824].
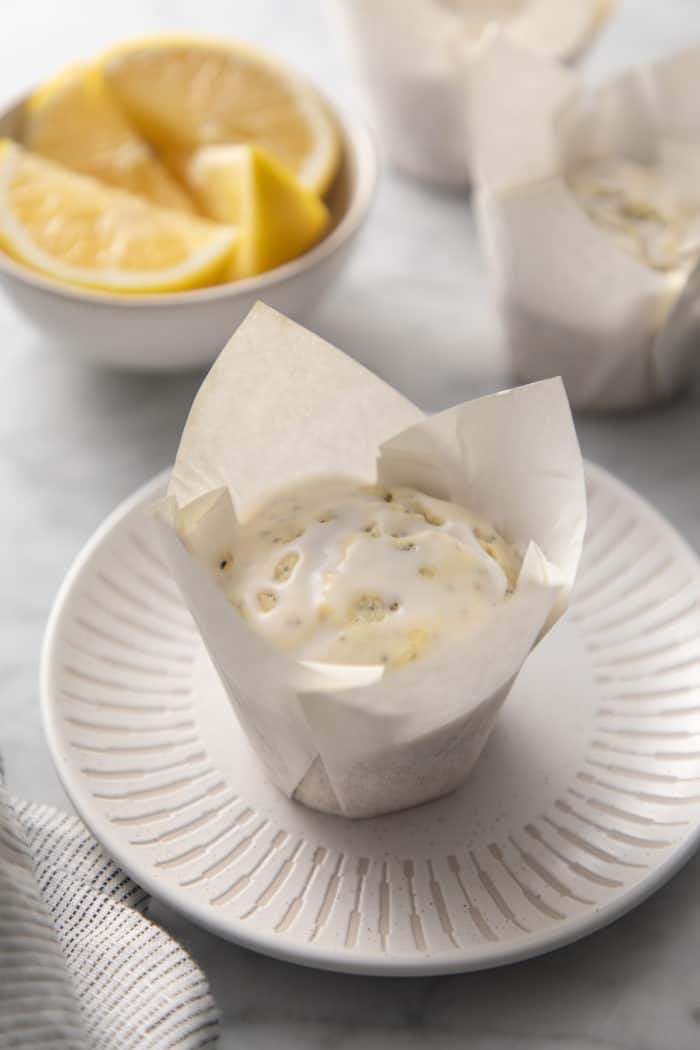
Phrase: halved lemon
[79,231]
[245,186]
[75,121]
[183,92]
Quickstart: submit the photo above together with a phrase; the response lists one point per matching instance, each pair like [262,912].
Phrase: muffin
[368,582]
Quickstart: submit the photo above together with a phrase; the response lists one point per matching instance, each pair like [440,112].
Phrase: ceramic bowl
[180,330]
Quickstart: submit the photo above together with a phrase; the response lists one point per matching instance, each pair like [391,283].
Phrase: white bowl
[178,330]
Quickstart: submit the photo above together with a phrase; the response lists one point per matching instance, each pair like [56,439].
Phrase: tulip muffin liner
[574,302]
[281,407]
[414,59]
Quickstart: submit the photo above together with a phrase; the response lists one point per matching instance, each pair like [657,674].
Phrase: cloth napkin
[81,967]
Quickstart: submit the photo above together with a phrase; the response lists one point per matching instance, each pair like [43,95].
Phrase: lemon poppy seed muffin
[341,573]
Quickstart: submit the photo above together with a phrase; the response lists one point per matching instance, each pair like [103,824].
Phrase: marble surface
[414,306]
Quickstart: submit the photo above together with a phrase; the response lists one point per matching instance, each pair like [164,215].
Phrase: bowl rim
[362,153]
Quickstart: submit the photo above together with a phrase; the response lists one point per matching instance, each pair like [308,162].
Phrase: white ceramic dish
[179,330]
[586,799]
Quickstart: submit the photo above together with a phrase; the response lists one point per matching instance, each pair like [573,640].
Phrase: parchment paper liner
[574,303]
[413,59]
[280,406]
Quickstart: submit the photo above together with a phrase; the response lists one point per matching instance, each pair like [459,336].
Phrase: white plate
[586,799]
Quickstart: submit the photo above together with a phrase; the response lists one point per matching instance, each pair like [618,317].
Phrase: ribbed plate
[586,799]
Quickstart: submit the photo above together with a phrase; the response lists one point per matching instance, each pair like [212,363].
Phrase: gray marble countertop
[414,306]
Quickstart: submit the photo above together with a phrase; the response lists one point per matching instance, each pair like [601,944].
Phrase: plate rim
[311,955]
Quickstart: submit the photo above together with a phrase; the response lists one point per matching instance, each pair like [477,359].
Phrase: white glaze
[644,209]
[357,575]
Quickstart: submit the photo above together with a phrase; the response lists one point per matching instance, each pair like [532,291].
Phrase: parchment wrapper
[413,59]
[280,407]
[621,334]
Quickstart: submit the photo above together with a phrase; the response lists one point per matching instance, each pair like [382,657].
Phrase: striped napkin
[81,968]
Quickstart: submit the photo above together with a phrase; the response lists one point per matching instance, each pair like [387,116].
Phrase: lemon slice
[75,121]
[245,186]
[185,92]
[79,231]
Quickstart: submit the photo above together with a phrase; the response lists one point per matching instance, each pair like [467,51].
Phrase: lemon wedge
[79,231]
[246,187]
[75,121]
[183,92]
